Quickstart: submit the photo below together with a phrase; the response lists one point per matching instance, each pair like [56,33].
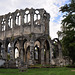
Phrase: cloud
[51,6]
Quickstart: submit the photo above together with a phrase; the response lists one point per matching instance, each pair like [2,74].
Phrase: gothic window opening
[26,51]
[27,17]
[46,52]
[16,53]
[37,52]
[10,22]
[3,25]
[8,50]
[37,18]
[18,19]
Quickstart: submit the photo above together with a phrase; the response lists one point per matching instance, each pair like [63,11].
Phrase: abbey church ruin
[27,31]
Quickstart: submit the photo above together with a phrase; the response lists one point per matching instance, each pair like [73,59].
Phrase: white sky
[51,6]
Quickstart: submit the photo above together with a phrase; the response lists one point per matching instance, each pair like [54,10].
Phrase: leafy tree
[68,30]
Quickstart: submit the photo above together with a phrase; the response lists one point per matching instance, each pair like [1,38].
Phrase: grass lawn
[39,71]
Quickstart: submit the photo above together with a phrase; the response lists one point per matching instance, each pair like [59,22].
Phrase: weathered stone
[22,29]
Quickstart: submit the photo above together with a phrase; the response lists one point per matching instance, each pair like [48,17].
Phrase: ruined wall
[23,22]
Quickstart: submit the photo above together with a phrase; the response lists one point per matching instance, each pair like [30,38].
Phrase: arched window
[18,19]
[10,22]
[27,17]
[37,17]
[3,25]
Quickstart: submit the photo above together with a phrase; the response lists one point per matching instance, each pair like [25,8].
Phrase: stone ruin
[28,31]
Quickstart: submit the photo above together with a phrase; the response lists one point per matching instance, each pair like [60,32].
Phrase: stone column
[32,19]
[39,56]
[47,23]
[12,52]
[4,51]
[60,51]
[31,61]
[21,54]
[42,53]
[42,56]
[12,55]
[22,23]
[41,19]
[51,53]
[47,56]
[21,62]
[14,19]
[13,24]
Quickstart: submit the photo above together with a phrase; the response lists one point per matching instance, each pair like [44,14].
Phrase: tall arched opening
[37,52]
[46,52]
[27,52]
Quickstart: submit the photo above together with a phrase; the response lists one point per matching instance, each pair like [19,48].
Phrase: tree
[68,30]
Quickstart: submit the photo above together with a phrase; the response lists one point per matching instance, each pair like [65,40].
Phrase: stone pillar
[42,53]
[14,19]
[60,51]
[21,54]
[47,56]
[12,52]
[22,23]
[39,56]
[31,61]
[12,56]
[42,56]
[51,53]
[47,23]
[4,51]
[32,19]
[13,23]
[41,20]
[42,27]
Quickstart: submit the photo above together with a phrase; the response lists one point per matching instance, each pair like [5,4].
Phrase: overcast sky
[51,6]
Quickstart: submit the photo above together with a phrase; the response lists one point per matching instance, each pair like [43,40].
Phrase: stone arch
[22,51]
[57,45]
[26,45]
[56,40]
[27,16]
[16,44]
[21,40]
[7,48]
[45,49]
[24,41]
[37,51]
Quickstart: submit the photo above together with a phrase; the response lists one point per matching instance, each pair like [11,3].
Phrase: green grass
[39,71]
